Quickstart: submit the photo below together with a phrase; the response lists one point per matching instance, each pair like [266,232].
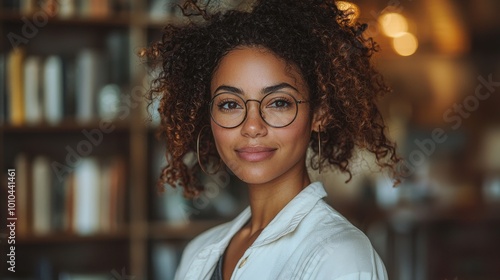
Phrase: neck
[268,199]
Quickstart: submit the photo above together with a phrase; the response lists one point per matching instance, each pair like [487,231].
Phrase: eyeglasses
[277,109]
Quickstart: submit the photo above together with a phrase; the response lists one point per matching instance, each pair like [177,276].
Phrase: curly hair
[314,36]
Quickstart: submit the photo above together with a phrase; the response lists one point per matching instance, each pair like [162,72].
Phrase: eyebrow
[229,88]
[277,87]
[265,90]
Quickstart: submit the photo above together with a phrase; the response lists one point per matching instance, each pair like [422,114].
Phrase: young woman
[255,90]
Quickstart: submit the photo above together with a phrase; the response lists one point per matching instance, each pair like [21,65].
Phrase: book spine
[86,197]
[105,198]
[15,86]
[27,7]
[86,85]
[53,89]
[67,8]
[22,169]
[58,204]
[3,89]
[41,196]
[118,195]
[32,102]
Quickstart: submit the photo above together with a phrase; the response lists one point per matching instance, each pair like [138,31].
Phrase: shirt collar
[285,222]
[292,214]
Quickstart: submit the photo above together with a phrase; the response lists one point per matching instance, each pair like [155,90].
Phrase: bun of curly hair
[312,35]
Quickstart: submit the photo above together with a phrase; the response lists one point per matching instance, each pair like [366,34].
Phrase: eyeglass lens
[276,109]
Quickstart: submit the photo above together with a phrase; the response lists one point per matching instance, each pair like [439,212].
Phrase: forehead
[253,68]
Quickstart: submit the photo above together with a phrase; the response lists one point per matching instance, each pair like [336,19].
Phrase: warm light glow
[393,24]
[351,9]
[405,44]
[449,30]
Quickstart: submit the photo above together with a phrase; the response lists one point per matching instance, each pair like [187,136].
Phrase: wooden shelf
[111,20]
[435,214]
[185,231]
[58,238]
[68,126]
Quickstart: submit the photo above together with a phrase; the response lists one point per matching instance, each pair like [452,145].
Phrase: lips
[255,153]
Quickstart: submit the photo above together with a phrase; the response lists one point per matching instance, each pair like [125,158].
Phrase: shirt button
[243,262]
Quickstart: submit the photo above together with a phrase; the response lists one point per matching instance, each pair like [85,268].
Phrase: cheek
[215,132]
[300,128]
[222,137]
[295,138]
[225,139]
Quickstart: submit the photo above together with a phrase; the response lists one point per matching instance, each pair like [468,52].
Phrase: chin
[255,177]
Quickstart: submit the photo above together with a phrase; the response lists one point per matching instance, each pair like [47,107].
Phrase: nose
[253,126]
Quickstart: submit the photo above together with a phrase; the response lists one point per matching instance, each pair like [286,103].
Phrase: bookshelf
[149,229]
[74,126]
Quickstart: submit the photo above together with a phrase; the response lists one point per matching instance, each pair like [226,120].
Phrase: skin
[270,160]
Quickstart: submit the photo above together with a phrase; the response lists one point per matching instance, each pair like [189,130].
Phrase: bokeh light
[405,44]
[393,24]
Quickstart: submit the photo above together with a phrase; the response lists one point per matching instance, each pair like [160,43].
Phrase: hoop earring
[198,155]
[319,150]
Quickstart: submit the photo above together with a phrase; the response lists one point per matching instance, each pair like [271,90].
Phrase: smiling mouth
[255,154]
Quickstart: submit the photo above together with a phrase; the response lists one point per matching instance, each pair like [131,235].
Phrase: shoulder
[339,250]
[334,234]
[330,225]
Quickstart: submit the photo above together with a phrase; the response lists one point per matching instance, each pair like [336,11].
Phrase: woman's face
[256,152]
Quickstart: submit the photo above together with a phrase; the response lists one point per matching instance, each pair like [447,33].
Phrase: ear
[318,120]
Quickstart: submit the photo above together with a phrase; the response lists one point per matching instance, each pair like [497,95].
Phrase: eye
[280,103]
[228,105]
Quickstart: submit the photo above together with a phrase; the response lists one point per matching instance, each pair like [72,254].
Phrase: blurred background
[78,145]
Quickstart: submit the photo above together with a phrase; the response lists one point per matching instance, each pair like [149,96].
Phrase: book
[117,197]
[3,88]
[15,86]
[105,218]
[85,85]
[27,7]
[53,90]
[58,207]
[86,206]
[50,7]
[22,192]
[69,87]
[89,200]
[99,8]
[94,8]
[90,76]
[69,194]
[67,8]
[32,88]
[117,53]
[41,196]
[112,194]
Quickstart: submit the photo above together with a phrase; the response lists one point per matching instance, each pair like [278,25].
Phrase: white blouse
[308,239]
